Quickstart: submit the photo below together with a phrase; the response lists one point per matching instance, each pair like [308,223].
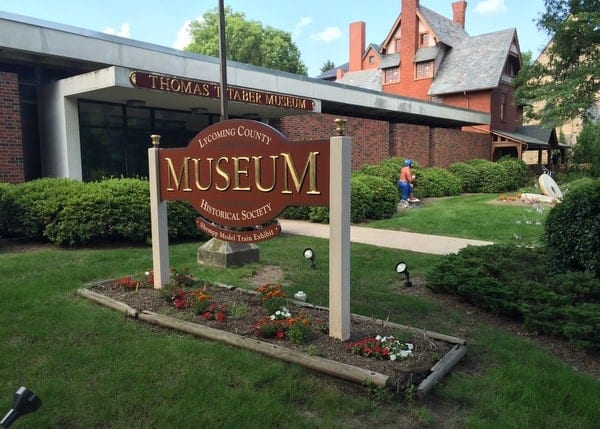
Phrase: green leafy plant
[272,297]
[238,309]
[572,229]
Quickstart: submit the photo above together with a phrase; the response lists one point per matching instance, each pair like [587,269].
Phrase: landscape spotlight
[310,254]
[24,402]
[402,268]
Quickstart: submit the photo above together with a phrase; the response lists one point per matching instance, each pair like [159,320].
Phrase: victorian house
[430,57]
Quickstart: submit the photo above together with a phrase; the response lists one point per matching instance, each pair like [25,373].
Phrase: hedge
[69,212]
[572,228]
[517,282]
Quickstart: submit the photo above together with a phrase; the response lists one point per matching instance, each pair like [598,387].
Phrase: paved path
[423,243]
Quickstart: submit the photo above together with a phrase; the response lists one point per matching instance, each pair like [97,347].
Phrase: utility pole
[223,58]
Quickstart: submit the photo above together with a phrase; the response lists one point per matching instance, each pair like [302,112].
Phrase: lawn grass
[479,216]
[93,368]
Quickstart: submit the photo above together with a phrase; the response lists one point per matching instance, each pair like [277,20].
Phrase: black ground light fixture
[310,254]
[24,402]
[402,268]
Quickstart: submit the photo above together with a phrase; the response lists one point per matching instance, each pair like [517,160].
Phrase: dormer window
[424,39]
[391,74]
[371,59]
[424,70]
[397,44]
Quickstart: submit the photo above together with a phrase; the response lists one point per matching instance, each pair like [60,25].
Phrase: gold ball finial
[340,126]
[155,140]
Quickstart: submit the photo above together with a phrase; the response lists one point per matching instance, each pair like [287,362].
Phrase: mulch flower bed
[290,324]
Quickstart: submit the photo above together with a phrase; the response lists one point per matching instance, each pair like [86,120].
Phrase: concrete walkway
[423,243]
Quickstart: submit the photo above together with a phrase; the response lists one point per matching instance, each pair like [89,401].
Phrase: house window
[424,39]
[502,105]
[392,74]
[424,70]
[397,45]
[371,59]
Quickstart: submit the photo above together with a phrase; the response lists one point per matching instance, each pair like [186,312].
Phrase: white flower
[393,357]
[410,346]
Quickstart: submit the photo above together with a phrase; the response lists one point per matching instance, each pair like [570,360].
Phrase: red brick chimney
[409,28]
[459,9]
[357,45]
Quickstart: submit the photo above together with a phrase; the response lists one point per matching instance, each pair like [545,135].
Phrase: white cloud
[490,7]
[123,31]
[327,35]
[184,37]
[304,21]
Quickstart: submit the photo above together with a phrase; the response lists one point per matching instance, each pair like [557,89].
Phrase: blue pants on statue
[404,189]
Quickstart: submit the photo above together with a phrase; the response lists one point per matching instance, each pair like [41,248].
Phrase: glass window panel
[100,114]
[102,153]
[138,118]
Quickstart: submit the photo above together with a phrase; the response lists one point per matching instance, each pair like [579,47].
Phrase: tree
[587,149]
[247,42]
[327,65]
[567,84]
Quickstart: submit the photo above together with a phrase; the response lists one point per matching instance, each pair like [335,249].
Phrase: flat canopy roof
[80,53]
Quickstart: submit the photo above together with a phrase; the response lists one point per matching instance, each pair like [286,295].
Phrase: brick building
[82,104]
[430,57]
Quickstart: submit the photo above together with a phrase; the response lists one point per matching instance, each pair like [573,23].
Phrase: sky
[319,28]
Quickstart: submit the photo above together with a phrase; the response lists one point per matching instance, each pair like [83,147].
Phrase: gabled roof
[392,60]
[539,132]
[426,54]
[536,136]
[332,72]
[367,79]
[447,31]
[474,63]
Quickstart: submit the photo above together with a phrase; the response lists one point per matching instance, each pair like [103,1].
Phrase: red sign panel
[200,88]
[243,173]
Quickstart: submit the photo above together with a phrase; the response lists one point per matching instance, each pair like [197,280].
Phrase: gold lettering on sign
[310,166]
[174,177]
[212,90]
[244,172]
[258,171]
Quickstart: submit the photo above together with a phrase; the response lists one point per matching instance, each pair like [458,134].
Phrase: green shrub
[572,228]
[388,169]
[517,282]
[181,217]
[36,203]
[114,209]
[117,210]
[6,192]
[319,214]
[493,176]
[468,175]
[436,182]
[360,195]
[517,174]
[295,212]
[587,150]
[382,196]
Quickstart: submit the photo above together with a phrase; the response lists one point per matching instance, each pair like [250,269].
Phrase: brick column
[11,142]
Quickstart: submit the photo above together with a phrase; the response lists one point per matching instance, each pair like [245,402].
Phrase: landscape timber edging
[330,367]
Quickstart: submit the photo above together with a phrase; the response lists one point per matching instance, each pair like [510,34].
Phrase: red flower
[280,335]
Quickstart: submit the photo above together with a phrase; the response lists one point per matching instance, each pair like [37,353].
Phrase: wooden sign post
[239,175]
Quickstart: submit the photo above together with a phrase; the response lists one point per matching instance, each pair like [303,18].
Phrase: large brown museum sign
[241,173]
[206,89]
